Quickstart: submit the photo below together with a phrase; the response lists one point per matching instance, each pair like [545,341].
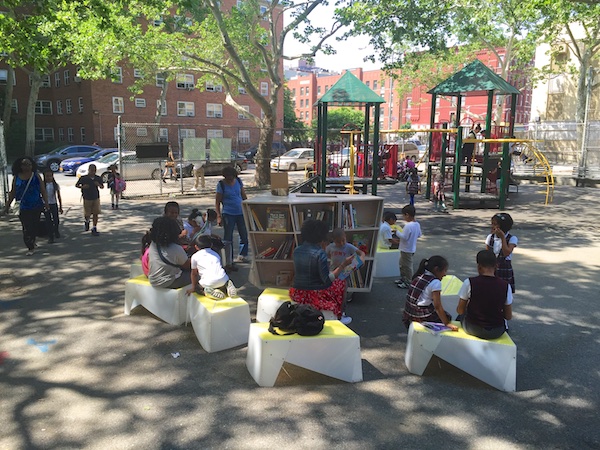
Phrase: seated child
[485,300]
[387,237]
[208,272]
[337,252]
[206,222]
[193,224]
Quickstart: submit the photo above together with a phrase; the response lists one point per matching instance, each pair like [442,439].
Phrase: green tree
[338,118]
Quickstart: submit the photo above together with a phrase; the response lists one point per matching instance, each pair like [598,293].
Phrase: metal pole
[583,158]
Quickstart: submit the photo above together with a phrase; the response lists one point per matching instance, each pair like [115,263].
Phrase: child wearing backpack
[117,185]
[502,243]
[54,205]
[412,184]
[208,272]
[423,300]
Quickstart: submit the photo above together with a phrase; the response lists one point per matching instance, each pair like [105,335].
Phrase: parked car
[342,158]
[214,167]
[277,149]
[54,158]
[131,167]
[69,166]
[295,159]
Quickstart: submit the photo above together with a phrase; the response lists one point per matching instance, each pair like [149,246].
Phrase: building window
[68,106]
[186,133]
[210,87]
[160,80]
[374,85]
[3,76]
[263,10]
[307,90]
[326,88]
[301,91]
[46,81]
[241,90]
[44,134]
[137,73]
[214,110]
[301,103]
[70,135]
[186,109]
[43,107]
[264,88]
[368,84]
[56,79]
[213,134]
[80,104]
[163,109]
[140,102]
[118,105]
[163,135]
[318,90]
[242,116]
[14,105]
[61,135]
[185,81]
[244,136]
[437,102]
[409,102]
[141,131]
[116,75]
[67,77]
[382,84]
[82,134]
[59,109]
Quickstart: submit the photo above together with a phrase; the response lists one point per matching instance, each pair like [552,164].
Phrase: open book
[354,265]
[435,327]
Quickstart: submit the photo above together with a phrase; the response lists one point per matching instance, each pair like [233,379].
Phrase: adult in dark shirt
[485,301]
[89,185]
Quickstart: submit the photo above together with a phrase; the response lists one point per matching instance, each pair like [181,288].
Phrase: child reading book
[337,252]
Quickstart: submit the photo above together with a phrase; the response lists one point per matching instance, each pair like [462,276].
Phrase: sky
[350,53]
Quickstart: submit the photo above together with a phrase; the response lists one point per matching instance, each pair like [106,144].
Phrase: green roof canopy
[474,80]
[349,90]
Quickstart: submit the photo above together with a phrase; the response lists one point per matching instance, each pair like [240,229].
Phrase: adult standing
[169,165]
[89,185]
[30,191]
[314,284]
[198,175]
[230,194]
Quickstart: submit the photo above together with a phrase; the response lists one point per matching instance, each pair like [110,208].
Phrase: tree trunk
[36,82]
[265,143]
[8,96]
[581,97]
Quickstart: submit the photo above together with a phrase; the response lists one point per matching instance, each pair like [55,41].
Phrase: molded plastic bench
[387,263]
[135,270]
[219,324]
[491,361]
[334,352]
[169,305]
[272,298]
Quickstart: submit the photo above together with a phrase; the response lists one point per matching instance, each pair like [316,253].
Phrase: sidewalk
[77,373]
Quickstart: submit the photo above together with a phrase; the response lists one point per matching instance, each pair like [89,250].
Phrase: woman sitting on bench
[313,283]
[169,265]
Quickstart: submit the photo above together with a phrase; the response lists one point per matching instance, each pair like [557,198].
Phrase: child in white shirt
[387,237]
[208,272]
[408,246]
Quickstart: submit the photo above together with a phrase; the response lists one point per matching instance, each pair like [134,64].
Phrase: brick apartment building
[307,88]
[72,110]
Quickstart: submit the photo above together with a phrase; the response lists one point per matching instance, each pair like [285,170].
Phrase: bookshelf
[274,225]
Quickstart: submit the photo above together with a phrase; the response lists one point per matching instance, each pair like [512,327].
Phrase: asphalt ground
[77,373]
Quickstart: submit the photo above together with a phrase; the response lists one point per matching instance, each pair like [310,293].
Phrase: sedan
[70,166]
[132,167]
[53,159]
[295,159]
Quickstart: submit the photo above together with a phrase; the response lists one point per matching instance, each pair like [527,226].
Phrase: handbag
[165,260]
[16,208]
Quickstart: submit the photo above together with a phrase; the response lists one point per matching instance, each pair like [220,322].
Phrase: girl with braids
[169,265]
[502,243]
[423,300]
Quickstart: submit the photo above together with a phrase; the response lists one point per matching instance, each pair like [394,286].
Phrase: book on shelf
[257,225]
[361,242]
[277,220]
[267,253]
[356,264]
[435,327]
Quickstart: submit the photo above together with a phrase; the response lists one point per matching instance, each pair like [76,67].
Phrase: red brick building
[414,108]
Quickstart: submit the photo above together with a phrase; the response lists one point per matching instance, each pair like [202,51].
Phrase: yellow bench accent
[272,298]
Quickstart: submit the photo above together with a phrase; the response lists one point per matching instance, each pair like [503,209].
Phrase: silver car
[131,167]
[295,159]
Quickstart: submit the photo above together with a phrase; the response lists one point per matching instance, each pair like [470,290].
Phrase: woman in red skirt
[313,283]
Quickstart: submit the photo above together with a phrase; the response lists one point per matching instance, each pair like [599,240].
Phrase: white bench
[450,287]
[271,299]
[135,270]
[334,352]
[491,361]
[219,324]
[387,263]
[169,305]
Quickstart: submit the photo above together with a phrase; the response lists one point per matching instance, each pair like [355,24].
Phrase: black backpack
[293,318]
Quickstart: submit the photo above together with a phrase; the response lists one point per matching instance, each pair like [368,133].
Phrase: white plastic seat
[387,263]
[334,352]
[219,324]
[135,270]
[272,298]
[491,361]
[169,305]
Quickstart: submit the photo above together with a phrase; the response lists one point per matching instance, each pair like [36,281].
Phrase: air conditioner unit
[190,88]
[218,115]
[562,49]
[190,114]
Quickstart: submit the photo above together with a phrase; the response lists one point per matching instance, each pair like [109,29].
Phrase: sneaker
[95,232]
[193,189]
[345,319]
[215,294]
[117,206]
[240,259]
[112,206]
[231,289]
[86,225]
[398,281]
[30,252]
[402,285]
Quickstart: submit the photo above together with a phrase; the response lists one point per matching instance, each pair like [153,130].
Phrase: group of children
[485,301]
